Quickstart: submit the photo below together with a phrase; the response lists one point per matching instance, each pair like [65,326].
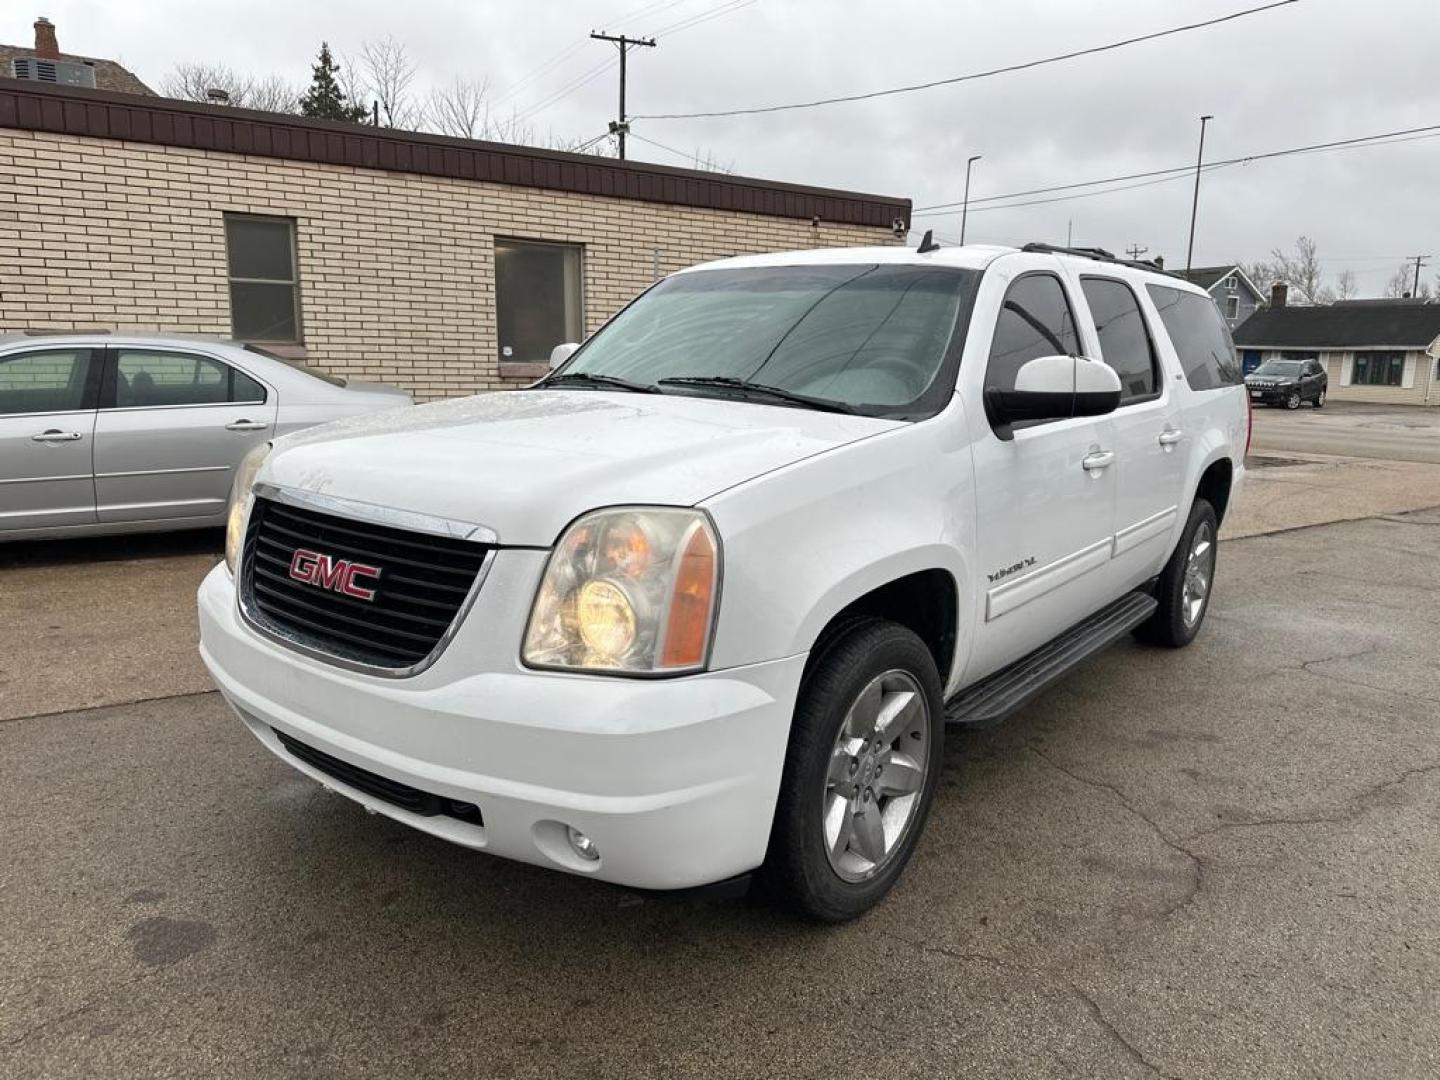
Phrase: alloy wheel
[876,775]
[1199,573]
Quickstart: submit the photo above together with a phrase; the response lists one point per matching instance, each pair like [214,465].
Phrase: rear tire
[1320,400]
[861,771]
[1185,584]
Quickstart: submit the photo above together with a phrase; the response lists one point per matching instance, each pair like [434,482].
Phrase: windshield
[871,337]
[298,365]
[1282,368]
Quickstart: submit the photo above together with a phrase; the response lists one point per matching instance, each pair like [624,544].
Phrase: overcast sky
[1315,71]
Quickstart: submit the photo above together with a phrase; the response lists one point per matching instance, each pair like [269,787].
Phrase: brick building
[441,265]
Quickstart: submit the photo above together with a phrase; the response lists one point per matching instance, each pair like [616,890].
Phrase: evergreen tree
[325,100]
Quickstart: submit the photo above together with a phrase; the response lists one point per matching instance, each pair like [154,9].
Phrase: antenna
[927,244]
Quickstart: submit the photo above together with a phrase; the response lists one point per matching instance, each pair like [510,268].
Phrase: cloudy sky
[1310,72]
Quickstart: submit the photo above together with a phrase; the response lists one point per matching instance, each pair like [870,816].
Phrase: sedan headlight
[628,590]
[240,493]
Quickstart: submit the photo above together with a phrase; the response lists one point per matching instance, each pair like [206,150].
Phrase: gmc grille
[423,584]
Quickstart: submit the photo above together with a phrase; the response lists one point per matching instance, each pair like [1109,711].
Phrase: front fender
[803,542]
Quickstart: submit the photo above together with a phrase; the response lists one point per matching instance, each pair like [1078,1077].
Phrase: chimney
[1159,262]
[46,47]
[1279,293]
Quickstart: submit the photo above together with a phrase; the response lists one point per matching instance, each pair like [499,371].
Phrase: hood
[526,463]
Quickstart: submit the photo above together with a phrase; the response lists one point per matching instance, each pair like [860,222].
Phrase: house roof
[1412,325]
[31,106]
[108,74]
[1207,277]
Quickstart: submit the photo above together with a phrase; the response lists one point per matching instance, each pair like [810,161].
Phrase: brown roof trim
[98,114]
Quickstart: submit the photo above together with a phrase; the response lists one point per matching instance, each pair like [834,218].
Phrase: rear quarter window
[1200,336]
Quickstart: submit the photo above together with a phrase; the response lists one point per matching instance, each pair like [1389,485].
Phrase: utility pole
[1419,261]
[618,128]
[1135,251]
[965,206]
[1195,204]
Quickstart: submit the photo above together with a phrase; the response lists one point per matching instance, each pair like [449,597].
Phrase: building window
[537,298]
[1378,369]
[1232,308]
[264,287]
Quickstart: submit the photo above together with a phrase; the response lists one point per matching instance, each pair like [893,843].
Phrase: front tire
[1185,583]
[1293,400]
[861,771]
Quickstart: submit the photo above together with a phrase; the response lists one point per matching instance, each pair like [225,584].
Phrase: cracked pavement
[1221,862]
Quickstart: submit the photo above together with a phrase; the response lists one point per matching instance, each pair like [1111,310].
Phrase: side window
[1200,337]
[48,380]
[1035,320]
[145,379]
[1124,338]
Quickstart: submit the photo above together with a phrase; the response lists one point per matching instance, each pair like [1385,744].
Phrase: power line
[973,75]
[695,158]
[1160,176]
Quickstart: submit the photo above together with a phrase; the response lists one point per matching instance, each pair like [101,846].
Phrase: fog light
[582,844]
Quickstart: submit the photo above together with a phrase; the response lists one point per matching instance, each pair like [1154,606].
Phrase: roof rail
[1099,255]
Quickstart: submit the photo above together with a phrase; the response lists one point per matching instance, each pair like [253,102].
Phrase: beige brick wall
[397,271]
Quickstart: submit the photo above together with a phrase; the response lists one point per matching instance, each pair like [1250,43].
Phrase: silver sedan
[103,433]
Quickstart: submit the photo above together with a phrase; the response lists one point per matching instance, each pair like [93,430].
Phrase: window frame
[109,384]
[498,240]
[90,395]
[1155,368]
[1232,307]
[231,280]
[1369,355]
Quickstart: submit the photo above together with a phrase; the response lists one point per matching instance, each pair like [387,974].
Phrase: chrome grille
[423,585]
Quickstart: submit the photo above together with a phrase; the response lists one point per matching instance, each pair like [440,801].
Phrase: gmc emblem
[337,575]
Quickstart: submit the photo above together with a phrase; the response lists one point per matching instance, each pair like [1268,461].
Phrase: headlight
[245,474]
[629,590]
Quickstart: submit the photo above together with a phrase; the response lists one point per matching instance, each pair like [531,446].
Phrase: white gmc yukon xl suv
[703,601]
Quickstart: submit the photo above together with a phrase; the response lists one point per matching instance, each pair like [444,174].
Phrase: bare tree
[1345,286]
[1261,273]
[1402,284]
[459,108]
[388,72]
[193,81]
[1301,270]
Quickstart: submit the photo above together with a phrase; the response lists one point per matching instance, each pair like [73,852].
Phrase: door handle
[1097,460]
[245,425]
[56,435]
[1169,437]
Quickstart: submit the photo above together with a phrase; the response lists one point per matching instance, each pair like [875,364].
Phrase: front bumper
[1270,395]
[675,780]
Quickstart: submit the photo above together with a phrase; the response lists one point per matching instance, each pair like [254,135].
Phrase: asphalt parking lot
[1354,429]
[1219,862]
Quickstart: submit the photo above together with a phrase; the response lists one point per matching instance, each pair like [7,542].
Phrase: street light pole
[965,206]
[1195,203]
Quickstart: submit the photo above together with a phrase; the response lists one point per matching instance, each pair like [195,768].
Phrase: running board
[996,696]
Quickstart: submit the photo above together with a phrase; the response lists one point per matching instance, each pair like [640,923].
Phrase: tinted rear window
[1200,337]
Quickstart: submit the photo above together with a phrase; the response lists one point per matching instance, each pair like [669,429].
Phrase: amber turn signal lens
[690,606]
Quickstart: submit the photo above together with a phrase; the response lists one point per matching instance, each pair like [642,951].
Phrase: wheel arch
[925,599]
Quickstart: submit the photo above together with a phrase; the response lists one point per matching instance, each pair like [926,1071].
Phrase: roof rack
[1099,255]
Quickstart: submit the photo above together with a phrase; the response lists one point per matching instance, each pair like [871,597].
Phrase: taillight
[1249,421]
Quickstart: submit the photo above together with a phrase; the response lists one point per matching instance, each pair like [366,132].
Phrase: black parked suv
[1288,383]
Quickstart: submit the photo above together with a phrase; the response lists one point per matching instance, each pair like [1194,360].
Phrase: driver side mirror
[1053,388]
[560,353]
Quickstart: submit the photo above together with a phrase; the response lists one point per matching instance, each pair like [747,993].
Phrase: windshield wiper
[609,382]
[729,382]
